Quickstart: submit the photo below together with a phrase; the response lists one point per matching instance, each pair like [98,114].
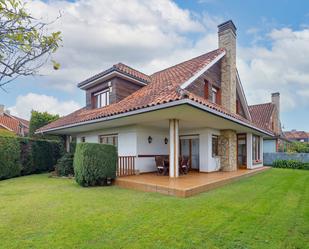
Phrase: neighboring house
[12,123]
[267,115]
[294,135]
[196,108]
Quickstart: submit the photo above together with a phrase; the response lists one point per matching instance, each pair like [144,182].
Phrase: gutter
[159,107]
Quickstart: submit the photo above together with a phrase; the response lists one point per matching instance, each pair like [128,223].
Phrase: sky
[272,48]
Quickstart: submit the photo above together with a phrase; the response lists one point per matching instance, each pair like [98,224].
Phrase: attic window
[215,96]
[101,98]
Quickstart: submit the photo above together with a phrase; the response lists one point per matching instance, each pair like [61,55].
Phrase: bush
[39,155]
[24,156]
[290,164]
[64,166]
[9,157]
[94,163]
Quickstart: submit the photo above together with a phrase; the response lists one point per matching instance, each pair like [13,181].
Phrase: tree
[25,44]
[38,120]
[299,147]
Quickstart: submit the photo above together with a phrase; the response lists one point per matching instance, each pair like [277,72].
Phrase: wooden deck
[186,185]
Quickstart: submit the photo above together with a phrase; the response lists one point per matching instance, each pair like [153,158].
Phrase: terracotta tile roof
[163,88]
[261,114]
[13,123]
[122,68]
[296,134]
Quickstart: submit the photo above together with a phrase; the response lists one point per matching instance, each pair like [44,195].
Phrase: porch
[185,185]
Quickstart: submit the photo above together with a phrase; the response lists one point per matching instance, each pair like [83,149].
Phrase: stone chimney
[275,99]
[227,40]
[1,110]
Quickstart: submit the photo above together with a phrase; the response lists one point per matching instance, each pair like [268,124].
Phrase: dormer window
[101,98]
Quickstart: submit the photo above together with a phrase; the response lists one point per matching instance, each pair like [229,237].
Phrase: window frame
[83,139]
[214,145]
[114,138]
[98,98]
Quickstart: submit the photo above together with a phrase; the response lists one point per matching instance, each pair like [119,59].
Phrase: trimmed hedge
[24,156]
[64,166]
[9,157]
[94,163]
[290,164]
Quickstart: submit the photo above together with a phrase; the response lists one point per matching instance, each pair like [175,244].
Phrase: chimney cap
[227,25]
[275,94]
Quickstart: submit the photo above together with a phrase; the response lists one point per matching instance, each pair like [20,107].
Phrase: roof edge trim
[203,70]
[162,106]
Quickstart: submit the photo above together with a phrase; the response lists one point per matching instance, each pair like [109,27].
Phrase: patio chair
[161,167]
[184,165]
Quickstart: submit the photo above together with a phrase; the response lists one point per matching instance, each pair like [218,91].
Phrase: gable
[212,76]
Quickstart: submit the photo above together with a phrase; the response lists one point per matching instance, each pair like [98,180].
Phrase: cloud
[97,34]
[151,35]
[31,101]
[282,67]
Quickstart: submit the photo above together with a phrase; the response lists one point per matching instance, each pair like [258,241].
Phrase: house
[267,115]
[299,136]
[12,123]
[196,108]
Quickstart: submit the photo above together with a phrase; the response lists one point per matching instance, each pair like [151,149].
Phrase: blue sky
[272,36]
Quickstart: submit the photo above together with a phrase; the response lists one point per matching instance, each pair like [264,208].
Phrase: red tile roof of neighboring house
[13,123]
[164,87]
[296,134]
[261,114]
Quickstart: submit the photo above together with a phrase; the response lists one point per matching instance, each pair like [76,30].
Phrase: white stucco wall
[156,147]
[133,141]
[127,139]
[269,146]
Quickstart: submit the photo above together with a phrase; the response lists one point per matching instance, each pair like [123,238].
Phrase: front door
[241,151]
[189,146]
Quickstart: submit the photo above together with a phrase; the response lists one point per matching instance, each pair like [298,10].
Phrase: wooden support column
[174,147]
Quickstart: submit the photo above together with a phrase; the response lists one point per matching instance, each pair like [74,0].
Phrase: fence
[270,157]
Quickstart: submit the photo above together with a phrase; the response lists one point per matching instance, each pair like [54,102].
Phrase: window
[109,139]
[101,98]
[215,145]
[256,148]
[83,139]
[214,93]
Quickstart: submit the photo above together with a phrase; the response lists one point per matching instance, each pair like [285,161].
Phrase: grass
[269,210]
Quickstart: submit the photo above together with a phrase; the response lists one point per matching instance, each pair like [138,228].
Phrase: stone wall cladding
[227,40]
[228,150]
[269,158]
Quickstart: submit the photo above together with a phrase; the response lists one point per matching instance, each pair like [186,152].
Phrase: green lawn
[269,210]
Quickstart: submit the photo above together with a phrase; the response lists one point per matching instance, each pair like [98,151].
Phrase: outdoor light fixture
[166,140]
[149,139]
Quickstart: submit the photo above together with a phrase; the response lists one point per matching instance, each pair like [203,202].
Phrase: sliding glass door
[189,146]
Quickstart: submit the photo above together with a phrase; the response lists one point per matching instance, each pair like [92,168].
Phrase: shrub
[9,157]
[39,155]
[290,164]
[64,166]
[24,156]
[94,163]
